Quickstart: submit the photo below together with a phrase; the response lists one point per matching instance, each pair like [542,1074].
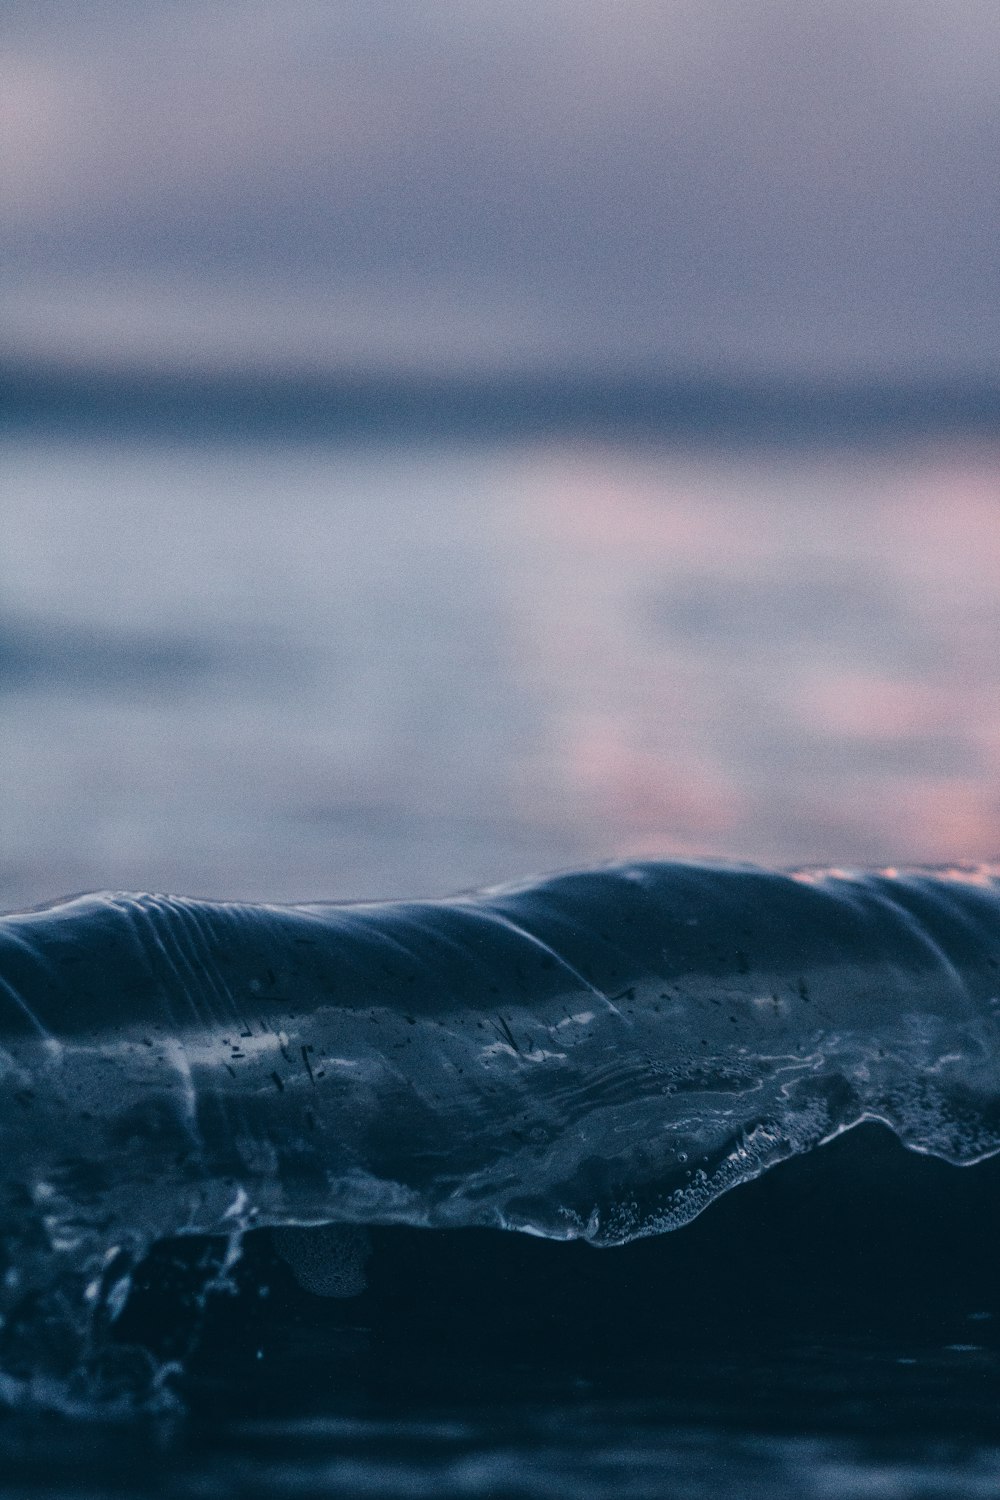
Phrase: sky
[790,187]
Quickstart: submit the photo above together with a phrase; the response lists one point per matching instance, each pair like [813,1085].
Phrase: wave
[596,1056]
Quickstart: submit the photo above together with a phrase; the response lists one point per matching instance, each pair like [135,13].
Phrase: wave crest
[598,1055]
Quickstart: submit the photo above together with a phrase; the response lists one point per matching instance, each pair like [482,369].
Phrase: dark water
[829,1330]
[326,670]
[682,1063]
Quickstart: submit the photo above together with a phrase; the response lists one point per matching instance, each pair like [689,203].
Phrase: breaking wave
[596,1056]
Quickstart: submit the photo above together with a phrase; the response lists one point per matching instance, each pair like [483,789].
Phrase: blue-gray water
[290,671]
[307,671]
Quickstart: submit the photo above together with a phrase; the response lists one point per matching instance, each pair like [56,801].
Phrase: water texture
[595,1056]
[264,669]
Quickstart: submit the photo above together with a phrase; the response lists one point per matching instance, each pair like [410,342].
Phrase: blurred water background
[444,441]
[330,668]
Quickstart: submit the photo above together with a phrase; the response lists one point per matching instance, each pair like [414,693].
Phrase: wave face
[595,1056]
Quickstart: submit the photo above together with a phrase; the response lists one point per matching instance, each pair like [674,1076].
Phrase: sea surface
[300,671]
[298,668]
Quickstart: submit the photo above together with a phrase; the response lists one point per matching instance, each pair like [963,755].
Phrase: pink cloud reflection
[767,658]
[873,706]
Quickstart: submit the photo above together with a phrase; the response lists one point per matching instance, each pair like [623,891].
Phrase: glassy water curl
[596,1056]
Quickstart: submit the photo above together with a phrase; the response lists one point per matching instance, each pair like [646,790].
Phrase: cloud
[782,184]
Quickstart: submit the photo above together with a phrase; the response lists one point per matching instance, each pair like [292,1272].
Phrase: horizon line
[46,396]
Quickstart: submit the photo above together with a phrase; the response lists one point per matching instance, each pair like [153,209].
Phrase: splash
[594,1056]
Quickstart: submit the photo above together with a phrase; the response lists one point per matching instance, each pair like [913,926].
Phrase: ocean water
[670,1179]
[288,671]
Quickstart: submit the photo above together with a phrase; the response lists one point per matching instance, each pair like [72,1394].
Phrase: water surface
[291,671]
[301,670]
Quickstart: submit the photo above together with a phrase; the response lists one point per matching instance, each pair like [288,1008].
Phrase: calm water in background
[304,671]
[296,671]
